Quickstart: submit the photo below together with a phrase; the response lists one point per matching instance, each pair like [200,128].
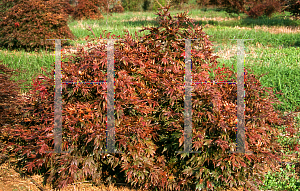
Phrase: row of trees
[253,8]
[256,8]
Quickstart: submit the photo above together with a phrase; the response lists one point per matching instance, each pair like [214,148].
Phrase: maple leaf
[30,166]
[201,55]
[164,60]
[183,54]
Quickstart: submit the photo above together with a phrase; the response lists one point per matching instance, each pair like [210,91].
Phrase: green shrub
[146,5]
[132,5]
[157,3]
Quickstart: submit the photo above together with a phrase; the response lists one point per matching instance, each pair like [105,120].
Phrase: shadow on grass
[265,21]
[249,22]
[279,20]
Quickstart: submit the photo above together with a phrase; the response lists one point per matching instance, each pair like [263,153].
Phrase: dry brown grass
[11,180]
[274,29]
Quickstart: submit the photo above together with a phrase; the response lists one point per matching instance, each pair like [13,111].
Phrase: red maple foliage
[149,120]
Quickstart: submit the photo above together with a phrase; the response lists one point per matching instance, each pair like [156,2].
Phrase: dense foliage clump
[117,9]
[133,5]
[87,9]
[253,8]
[265,8]
[293,6]
[27,24]
[68,8]
[149,116]
[9,94]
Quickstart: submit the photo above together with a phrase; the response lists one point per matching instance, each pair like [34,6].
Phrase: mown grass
[281,68]
[276,55]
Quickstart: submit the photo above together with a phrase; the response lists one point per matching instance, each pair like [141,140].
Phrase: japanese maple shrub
[10,98]
[67,7]
[149,119]
[87,9]
[265,8]
[27,24]
[117,9]
[253,8]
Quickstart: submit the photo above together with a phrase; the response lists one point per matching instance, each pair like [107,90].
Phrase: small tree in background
[87,9]
[68,8]
[146,5]
[117,9]
[133,5]
[231,6]
[265,8]
[106,5]
[26,24]
[293,6]
[253,8]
